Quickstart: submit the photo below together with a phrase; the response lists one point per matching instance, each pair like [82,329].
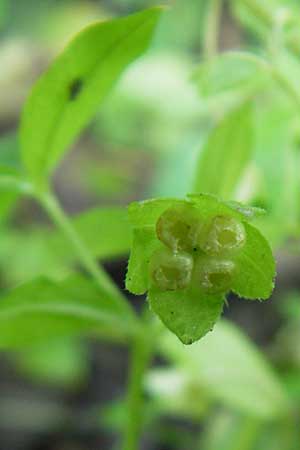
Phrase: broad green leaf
[226,155]
[188,313]
[229,368]
[41,251]
[230,71]
[67,96]
[256,267]
[41,310]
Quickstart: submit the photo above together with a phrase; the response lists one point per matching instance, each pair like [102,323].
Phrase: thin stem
[103,280]
[211,35]
[141,353]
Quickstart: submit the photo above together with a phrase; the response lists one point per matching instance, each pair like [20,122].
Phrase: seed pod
[214,275]
[171,271]
[179,228]
[224,235]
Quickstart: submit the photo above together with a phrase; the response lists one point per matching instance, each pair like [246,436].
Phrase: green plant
[189,253]
[186,253]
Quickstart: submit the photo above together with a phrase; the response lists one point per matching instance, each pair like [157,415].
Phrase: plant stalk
[103,280]
[212,22]
[141,353]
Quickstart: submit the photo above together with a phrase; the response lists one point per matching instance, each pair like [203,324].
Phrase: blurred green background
[239,387]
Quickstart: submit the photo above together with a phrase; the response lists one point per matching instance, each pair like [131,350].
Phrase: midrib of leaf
[43,159]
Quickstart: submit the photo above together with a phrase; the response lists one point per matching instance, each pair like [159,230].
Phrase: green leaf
[41,310]
[188,313]
[230,71]
[144,244]
[67,96]
[256,267]
[228,367]
[41,251]
[105,231]
[226,155]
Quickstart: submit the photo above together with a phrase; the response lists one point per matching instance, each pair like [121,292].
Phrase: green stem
[211,35]
[141,353]
[103,280]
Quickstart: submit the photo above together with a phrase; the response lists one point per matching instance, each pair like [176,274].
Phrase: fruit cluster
[196,251]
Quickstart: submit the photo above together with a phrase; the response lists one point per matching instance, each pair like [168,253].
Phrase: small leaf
[188,313]
[226,154]
[68,94]
[41,309]
[231,71]
[40,251]
[256,267]
[144,244]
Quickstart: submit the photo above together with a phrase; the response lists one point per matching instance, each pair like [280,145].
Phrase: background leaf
[41,310]
[238,376]
[226,154]
[68,94]
[41,251]
[230,71]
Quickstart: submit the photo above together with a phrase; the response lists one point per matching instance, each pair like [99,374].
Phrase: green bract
[188,254]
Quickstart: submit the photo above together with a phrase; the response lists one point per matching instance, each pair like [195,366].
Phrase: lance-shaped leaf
[67,96]
[41,309]
[226,154]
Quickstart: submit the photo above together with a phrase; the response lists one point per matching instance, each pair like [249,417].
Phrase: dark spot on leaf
[195,249]
[172,312]
[75,88]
